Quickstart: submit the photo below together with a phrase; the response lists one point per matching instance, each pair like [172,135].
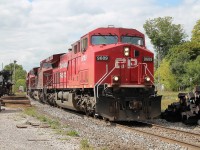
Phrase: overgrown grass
[54,124]
[67,132]
[31,111]
[84,145]
[72,133]
[168,98]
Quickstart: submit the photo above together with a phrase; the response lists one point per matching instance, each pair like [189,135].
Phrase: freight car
[5,82]
[107,73]
[186,110]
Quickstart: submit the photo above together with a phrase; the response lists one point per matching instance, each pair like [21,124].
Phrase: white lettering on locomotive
[64,65]
[147,59]
[63,75]
[84,58]
[102,58]
[120,62]
[131,62]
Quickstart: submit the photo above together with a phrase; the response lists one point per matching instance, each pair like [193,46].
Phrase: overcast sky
[32,30]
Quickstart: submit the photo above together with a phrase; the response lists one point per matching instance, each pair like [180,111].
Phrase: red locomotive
[108,73]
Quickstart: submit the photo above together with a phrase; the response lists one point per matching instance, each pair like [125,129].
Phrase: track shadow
[134,124]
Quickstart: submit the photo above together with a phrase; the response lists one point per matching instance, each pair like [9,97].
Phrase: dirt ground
[16,133]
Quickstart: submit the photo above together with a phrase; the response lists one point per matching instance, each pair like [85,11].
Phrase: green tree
[165,76]
[20,82]
[20,75]
[190,48]
[184,62]
[179,57]
[196,32]
[193,72]
[163,34]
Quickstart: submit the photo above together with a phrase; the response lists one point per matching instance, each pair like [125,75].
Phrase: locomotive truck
[108,73]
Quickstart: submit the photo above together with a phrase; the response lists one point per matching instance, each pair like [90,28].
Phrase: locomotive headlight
[116,78]
[147,79]
[126,51]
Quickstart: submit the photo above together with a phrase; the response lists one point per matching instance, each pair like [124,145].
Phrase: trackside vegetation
[177,59]
[54,124]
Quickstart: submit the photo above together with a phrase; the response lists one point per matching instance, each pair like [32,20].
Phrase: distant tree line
[177,60]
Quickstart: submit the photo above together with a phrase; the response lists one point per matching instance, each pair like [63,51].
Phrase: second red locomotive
[107,73]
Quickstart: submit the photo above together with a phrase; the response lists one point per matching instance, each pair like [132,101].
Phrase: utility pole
[14,77]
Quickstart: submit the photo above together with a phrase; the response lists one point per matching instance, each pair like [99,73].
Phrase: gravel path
[30,138]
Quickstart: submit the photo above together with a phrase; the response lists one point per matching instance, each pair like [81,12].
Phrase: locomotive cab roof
[118,33]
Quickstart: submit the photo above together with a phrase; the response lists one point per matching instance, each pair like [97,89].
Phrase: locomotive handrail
[49,81]
[103,80]
[100,80]
[146,69]
[103,75]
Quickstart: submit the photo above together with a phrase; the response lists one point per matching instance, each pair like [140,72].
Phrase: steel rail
[163,138]
[173,129]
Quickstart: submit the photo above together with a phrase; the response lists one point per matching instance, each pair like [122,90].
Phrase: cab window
[104,39]
[132,40]
[84,44]
[75,48]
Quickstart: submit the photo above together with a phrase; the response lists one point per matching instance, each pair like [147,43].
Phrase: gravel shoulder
[32,137]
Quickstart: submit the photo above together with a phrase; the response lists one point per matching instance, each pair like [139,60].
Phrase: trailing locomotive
[107,73]
[5,82]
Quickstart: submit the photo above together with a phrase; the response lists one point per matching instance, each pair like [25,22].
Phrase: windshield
[132,40]
[104,39]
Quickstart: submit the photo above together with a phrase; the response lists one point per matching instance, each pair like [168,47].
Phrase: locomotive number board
[147,59]
[102,58]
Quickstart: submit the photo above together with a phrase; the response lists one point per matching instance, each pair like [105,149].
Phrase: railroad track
[176,130]
[189,145]
[150,132]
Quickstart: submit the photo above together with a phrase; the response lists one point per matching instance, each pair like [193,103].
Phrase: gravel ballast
[103,135]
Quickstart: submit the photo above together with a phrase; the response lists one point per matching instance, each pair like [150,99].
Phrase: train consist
[108,73]
[5,82]
[186,110]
